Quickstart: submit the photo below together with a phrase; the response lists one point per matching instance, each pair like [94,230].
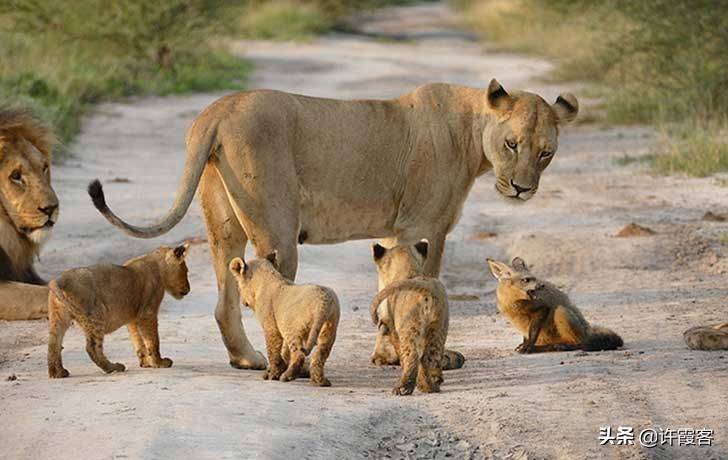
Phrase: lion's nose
[48,210]
[519,189]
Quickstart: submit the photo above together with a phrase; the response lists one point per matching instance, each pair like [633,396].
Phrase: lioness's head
[174,271]
[27,201]
[400,262]
[523,137]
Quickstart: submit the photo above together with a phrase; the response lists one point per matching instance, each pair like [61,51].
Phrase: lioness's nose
[520,189]
[48,210]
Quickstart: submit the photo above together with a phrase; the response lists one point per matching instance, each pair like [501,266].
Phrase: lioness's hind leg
[59,322]
[325,343]
[227,239]
[95,349]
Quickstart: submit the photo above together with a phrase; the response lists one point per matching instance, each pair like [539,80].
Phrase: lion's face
[523,139]
[26,194]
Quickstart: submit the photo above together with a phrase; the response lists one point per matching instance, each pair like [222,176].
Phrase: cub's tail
[601,338]
[313,334]
[416,285]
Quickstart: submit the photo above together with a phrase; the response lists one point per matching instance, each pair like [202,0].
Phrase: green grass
[699,152]
[284,21]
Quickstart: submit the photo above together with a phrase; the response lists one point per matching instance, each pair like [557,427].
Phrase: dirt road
[501,404]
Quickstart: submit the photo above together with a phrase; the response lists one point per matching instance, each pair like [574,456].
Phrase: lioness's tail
[404,285]
[199,149]
[601,338]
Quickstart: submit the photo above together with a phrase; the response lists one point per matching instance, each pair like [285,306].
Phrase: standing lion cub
[294,318]
[416,315]
[102,298]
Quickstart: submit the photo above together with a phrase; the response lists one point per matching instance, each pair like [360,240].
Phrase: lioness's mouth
[28,230]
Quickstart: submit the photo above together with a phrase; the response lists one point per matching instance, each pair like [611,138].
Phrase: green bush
[58,58]
[284,21]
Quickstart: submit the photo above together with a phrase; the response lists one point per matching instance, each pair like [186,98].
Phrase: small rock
[120,180]
[633,229]
[462,445]
[712,217]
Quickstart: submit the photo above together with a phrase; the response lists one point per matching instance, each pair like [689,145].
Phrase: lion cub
[416,315]
[294,318]
[102,298]
[544,315]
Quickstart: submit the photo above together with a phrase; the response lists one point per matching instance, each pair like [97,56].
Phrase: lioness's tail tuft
[602,338]
[96,192]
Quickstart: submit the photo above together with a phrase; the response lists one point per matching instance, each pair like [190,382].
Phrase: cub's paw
[428,388]
[321,382]
[271,374]
[524,349]
[287,376]
[379,360]
[58,373]
[404,390]
[115,367]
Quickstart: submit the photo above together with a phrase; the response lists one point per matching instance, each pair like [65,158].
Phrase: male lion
[28,211]
[280,169]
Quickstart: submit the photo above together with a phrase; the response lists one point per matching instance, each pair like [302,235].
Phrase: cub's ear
[498,98]
[181,251]
[566,107]
[238,266]
[422,248]
[273,258]
[500,270]
[519,264]
[378,251]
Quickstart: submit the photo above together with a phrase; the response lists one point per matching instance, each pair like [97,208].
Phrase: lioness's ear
[238,266]
[422,248]
[273,258]
[181,251]
[378,251]
[519,264]
[566,107]
[498,98]
[500,270]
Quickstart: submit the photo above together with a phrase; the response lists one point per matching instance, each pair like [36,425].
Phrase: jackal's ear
[422,248]
[500,270]
[519,264]
[273,258]
[378,251]
[238,266]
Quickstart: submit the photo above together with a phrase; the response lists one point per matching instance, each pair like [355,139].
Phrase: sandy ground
[501,404]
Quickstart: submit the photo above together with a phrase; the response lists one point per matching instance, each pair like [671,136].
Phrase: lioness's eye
[511,144]
[545,154]
[15,176]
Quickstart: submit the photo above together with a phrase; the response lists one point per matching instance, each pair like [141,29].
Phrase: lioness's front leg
[227,239]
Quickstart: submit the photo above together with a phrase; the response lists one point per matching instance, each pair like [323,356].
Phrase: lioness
[280,169]
[416,316]
[294,318]
[28,212]
[102,298]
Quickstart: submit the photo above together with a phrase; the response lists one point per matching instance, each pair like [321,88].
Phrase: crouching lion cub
[294,318]
[416,316]
[102,298]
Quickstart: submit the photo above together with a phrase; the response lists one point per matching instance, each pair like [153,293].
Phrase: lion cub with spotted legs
[544,315]
[416,315]
[102,298]
[294,318]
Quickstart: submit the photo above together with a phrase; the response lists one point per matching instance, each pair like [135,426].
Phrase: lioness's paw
[58,373]
[255,362]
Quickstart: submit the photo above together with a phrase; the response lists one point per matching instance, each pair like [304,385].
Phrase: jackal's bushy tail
[602,338]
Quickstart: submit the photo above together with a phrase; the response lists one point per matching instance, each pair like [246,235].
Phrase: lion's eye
[545,155]
[511,144]
[16,176]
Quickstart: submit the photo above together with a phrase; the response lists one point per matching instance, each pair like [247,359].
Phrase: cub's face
[400,262]
[522,138]
[174,271]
